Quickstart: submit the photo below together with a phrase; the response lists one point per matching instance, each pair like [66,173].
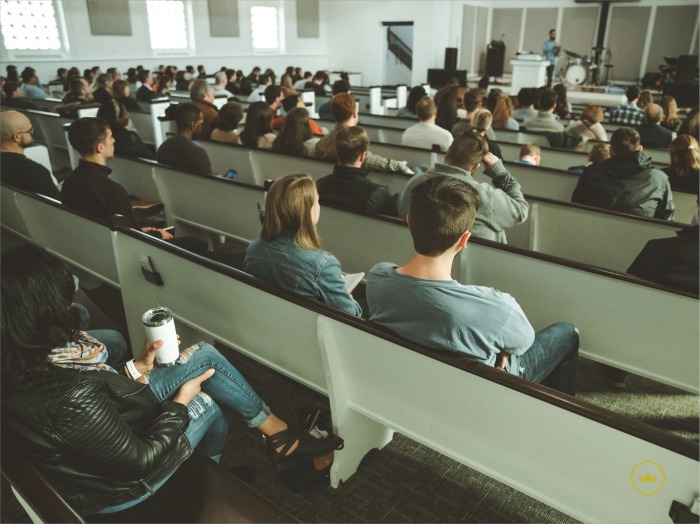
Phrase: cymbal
[571,54]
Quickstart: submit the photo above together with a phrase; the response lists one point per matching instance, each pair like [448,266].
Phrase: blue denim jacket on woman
[306,272]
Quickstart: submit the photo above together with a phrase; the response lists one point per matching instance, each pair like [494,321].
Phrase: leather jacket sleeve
[89,422]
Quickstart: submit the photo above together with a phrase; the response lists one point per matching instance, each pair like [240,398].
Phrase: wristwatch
[132,371]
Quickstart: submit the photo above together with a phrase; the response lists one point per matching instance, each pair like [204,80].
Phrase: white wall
[84,50]
[357,35]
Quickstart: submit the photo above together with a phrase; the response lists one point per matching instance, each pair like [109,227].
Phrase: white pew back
[587,235]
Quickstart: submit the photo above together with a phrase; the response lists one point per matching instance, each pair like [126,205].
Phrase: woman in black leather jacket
[105,440]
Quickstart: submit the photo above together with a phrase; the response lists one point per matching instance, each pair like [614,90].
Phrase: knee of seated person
[201,349]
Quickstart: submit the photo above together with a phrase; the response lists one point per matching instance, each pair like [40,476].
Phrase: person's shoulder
[382,268]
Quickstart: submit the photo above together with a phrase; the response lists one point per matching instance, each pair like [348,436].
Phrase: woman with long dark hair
[109,438]
[257,132]
[295,137]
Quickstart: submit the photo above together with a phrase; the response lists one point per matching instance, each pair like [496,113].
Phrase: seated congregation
[160,414]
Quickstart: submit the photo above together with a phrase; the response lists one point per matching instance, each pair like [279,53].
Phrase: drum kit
[576,70]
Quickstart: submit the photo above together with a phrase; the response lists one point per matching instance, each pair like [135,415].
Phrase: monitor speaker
[450,58]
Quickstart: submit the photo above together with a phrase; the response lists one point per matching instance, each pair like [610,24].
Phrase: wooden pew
[559,184]
[614,311]
[65,233]
[46,104]
[370,399]
[586,234]
[552,286]
[659,156]
[346,358]
[581,233]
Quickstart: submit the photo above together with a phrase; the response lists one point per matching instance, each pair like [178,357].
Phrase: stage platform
[606,96]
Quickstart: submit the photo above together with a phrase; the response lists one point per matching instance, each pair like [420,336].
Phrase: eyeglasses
[31,132]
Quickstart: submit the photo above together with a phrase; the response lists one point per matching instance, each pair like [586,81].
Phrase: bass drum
[575,75]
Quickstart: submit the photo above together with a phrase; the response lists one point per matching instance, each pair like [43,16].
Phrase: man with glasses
[502,204]
[17,134]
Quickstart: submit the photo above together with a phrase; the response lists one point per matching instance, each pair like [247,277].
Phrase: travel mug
[160,325]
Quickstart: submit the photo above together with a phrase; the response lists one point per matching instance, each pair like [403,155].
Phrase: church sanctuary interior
[239,170]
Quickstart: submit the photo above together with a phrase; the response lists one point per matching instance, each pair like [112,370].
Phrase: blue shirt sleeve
[332,291]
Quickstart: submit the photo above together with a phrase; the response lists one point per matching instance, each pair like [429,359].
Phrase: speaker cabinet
[495,56]
[450,58]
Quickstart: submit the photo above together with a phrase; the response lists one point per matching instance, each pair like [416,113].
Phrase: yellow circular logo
[648,477]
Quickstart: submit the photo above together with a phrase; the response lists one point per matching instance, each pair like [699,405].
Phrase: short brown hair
[442,209]
[425,108]
[624,140]
[342,106]
[350,143]
[288,208]
[592,114]
[467,151]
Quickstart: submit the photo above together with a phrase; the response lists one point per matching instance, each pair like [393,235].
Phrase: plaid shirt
[627,114]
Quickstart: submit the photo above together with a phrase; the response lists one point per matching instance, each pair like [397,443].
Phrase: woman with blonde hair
[503,114]
[685,164]
[589,125]
[670,107]
[482,119]
[289,253]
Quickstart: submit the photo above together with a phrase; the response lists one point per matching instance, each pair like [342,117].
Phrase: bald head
[15,132]
[653,114]
[12,122]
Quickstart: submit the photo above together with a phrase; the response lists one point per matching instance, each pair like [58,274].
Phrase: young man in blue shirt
[421,302]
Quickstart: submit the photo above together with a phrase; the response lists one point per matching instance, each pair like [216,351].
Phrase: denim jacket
[306,272]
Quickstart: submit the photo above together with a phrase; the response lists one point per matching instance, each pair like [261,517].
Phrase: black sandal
[308,447]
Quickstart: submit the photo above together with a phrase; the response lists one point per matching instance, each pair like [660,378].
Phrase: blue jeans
[209,412]
[553,358]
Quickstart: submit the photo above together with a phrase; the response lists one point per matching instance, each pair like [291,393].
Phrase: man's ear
[100,148]
[462,242]
[363,156]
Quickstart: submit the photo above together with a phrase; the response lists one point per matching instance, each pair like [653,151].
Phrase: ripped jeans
[225,393]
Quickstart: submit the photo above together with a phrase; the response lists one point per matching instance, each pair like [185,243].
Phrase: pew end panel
[361,433]
[64,233]
[618,316]
[485,420]
[203,295]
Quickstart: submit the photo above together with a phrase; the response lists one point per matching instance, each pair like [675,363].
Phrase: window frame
[63,52]
[281,40]
[189,49]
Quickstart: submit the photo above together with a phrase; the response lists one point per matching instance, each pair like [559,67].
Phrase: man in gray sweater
[503,204]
